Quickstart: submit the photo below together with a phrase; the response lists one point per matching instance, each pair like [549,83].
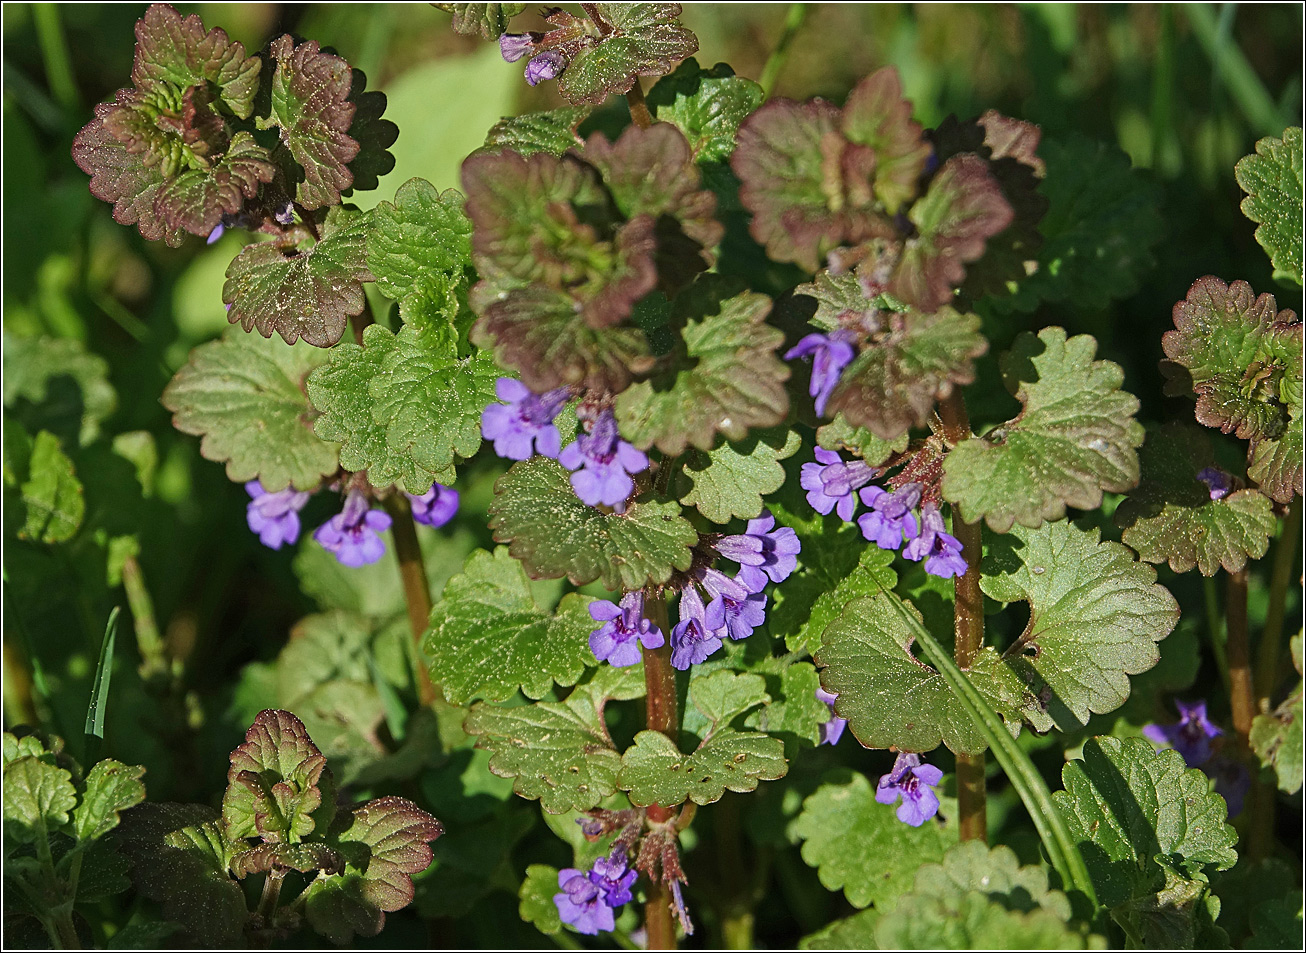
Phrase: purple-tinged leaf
[490,20]
[876,116]
[197,199]
[175,51]
[553,132]
[284,857]
[272,785]
[961,209]
[636,39]
[1272,179]
[312,110]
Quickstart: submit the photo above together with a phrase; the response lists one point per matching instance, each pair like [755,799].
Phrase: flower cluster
[602,463]
[1191,737]
[589,897]
[542,65]
[914,783]
[891,518]
[352,535]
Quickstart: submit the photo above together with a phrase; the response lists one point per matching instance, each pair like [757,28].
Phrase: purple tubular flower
[524,426]
[733,606]
[274,516]
[691,639]
[913,782]
[513,46]
[940,550]
[1191,737]
[352,533]
[614,880]
[1232,781]
[890,518]
[216,233]
[832,353]
[623,631]
[761,552]
[436,506]
[678,905]
[832,730]
[831,483]
[1217,481]
[581,903]
[603,463]
[546,65]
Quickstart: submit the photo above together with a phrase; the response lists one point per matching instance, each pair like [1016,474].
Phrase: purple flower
[914,783]
[352,533]
[286,214]
[890,518]
[940,550]
[1191,737]
[831,483]
[1232,781]
[603,463]
[436,506]
[614,880]
[214,235]
[733,606]
[581,903]
[513,46]
[832,730]
[546,65]
[833,352]
[691,639]
[678,905]
[274,516]
[524,426]
[1217,481]
[623,631]
[762,553]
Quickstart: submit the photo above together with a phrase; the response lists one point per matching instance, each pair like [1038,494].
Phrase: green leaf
[94,726]
[913,361]
[111,787]
[730,481]
[1171,517]
[706,105]
[1243,360]
[38,795]
[245,397]
[39,371]
[841,435]
[299,292]
[979,898]
[794,710]
[197,199]
[554,534]
[654,770]
[180,860]
[1074,438]
[489,638]
[51,494]
[637,39]
[404,407]
[173,51]
[306,858]
[878,118]
[386,844]
[1276,737]
[490,20]
[536,893]
[313,114]
[859,845]
[728,380]
[552,132]
[558,753]
[1150,831]
[272,785]
[420,244]
[851,933]
[828,573]
[1272,179]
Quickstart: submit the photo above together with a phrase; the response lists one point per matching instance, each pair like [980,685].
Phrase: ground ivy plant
[731,354]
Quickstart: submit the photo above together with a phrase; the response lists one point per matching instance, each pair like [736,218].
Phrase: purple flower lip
[831,483]
[1191,736]
[832,730]
[914,782]
[831,353]
[1217,482]
[274,516]
[890,518]
[733,607]
[436,506]
[624,630]
[352,535]
[524,425]
[940,550]
[762,552]
[603,463]
[692,641]
[589,897]
[513,46]
[546,65]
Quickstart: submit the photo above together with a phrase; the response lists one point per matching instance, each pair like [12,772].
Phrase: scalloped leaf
[490,20]
[404,407]
[489,638]
[1075,437]
[313,115]
[654,771]
[637,39]
[834,569]
[730,481]
[1171,517]
[794,713]
[1272,179]
[859,441]
[1095,615]
[536,892]
[915,360]
[559,753]
[52,504]
[175,51]
[36,370]
[111,787]
[272,785]
[197,199]
[306,858]
[244,396]
[728,379]
[552,132]
[876,116]
[420,244]
[1243,360]
[963,207]
[302,292]
[1150,830]
[848,837]
[386,843]
[706,105]
[554,534]
[1276,736]
[39,796]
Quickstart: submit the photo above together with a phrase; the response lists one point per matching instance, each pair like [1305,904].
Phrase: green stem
[1163,73]
[1215,626]
[1236,72]
[154,658]
[54,51]
[1267,653]
[639,113]
[417,592]
[660,714]
[776,61]
[1242,703]
[267,903]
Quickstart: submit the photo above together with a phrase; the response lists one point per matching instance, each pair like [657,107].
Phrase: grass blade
[103,673]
